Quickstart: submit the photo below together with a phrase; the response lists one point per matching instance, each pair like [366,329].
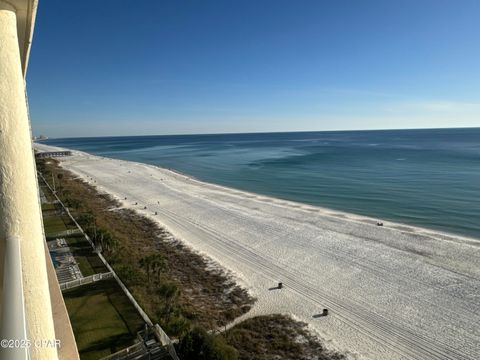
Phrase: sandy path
[394,292]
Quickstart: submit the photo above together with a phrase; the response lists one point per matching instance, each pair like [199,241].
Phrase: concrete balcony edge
[26,11]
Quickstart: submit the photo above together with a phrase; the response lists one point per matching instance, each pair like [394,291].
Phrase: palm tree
[158,265]
[153,264]
[59,177]
[109,243]
[105,238]
[169,291]
[87,220]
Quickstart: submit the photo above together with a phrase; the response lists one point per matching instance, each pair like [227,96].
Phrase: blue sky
[135,67]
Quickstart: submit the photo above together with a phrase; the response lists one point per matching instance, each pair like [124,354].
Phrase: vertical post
[20,213]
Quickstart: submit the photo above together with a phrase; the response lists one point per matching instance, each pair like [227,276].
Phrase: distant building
[41,155]
[40,138]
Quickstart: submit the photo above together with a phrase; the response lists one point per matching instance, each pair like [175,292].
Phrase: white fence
[66,233]
[85,280]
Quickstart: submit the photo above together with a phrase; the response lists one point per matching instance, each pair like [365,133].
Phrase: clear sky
[135,67]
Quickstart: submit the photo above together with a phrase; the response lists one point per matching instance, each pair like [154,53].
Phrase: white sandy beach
[394,292]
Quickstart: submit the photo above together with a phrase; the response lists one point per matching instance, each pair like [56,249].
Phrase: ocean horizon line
[264,132]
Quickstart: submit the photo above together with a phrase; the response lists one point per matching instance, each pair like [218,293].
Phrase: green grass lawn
[53,225]
[84,266]
[103,319]
[48,206]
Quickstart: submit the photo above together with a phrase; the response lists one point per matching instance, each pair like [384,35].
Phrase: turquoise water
[429,178]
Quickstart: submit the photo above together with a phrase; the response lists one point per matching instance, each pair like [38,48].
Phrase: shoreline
[394,225]
[385,285]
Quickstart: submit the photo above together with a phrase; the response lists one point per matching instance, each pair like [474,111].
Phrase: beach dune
[393,291]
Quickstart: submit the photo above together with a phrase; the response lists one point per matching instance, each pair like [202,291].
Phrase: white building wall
[20,213]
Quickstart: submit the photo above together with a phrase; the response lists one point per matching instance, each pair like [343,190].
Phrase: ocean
[429,178]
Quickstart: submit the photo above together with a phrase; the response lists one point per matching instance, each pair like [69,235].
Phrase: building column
[20,212]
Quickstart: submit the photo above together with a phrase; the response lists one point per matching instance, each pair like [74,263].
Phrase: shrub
[200,345]
[129,275]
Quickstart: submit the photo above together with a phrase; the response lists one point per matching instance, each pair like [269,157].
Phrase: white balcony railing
[13,330]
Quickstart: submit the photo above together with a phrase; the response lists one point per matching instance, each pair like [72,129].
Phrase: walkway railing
[13,327]
[165,341]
